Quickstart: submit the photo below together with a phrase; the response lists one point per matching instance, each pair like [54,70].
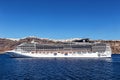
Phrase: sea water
[59,68]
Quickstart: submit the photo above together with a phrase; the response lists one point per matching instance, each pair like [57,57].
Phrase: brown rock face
[6,44]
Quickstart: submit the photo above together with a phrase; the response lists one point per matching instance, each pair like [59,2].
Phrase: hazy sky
[60,19]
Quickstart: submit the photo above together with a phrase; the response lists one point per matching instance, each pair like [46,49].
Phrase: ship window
[55,54]
[66,54]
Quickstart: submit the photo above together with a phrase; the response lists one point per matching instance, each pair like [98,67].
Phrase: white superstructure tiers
[79,49]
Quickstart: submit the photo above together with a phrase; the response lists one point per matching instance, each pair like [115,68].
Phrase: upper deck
[81,47]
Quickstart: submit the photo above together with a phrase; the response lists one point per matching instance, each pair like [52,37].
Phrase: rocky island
[9,44]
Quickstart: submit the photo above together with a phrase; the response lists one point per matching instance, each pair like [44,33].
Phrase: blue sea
[59,68]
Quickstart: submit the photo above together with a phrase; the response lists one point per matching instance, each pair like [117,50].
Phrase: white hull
[20,54]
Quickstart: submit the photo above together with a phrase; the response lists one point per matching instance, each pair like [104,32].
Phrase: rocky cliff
[7,44]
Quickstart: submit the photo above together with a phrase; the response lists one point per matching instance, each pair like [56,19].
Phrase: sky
[60,19]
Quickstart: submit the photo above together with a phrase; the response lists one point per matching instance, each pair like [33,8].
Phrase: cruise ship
[69,49]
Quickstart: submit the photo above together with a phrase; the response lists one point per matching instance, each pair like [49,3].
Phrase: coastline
[2,53]
[7,44]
